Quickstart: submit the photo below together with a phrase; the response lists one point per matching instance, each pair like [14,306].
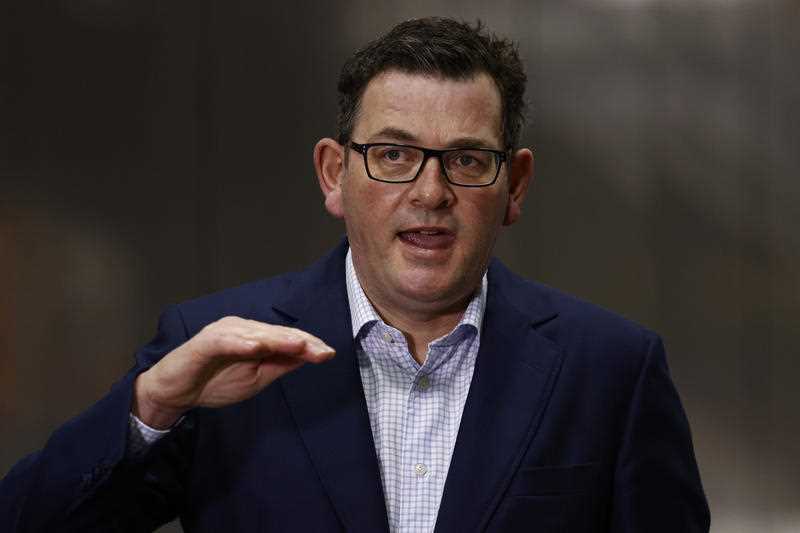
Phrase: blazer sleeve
[82,481]
[657,484]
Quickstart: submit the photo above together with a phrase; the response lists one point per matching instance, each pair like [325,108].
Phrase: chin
[427,289]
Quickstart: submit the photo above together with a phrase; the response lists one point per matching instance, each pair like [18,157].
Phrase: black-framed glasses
[402,163]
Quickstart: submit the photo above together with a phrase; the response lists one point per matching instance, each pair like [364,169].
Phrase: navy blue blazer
[572,424]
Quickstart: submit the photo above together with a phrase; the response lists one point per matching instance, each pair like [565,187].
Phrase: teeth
[425,232]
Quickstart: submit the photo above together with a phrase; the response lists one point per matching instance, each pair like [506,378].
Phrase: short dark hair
[441,47]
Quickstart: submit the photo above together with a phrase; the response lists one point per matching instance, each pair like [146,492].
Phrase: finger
[262,326]
[316,347]
[247,344]
[307,350]
[275,343]
[237,338]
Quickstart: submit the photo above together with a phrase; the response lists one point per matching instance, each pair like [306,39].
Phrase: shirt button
[420,469]
[387,337]
[424,383]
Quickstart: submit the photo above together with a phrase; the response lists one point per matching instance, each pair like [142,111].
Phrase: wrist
[152,413]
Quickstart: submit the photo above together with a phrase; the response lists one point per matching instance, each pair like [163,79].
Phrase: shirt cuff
[141,436]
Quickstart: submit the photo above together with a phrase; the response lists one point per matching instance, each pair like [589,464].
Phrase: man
[444,391]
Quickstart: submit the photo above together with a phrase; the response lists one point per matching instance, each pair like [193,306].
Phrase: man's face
[423,246]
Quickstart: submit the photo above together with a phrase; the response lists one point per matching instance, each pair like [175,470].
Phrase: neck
[421,322]
[419,327]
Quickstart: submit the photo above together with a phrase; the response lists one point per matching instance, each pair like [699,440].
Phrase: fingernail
[321,348]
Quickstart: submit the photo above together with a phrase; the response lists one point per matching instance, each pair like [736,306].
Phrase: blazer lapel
[514,375]
[327,400]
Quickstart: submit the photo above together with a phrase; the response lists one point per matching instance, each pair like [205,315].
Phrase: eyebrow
[397,134]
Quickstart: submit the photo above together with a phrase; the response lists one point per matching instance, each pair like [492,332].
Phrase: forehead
[431,110]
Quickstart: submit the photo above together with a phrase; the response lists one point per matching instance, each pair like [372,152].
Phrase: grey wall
[153,151]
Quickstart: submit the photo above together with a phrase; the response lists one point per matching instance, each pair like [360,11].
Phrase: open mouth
[428,238]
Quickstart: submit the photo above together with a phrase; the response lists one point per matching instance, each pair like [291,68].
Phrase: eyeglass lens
[402,163]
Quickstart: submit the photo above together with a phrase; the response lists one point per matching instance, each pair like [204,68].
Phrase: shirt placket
[420,469]
[400,368]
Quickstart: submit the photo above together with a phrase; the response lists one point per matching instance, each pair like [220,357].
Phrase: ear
[521,172]
[329,164]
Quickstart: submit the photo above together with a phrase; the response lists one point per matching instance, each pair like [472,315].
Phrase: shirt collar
[362,313]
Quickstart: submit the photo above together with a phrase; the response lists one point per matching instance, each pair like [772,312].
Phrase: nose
[431,190]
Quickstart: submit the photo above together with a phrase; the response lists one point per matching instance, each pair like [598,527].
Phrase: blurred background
[155,151]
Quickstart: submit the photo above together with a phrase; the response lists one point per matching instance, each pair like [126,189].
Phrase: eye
[392,155]
[465,160]
[396,155]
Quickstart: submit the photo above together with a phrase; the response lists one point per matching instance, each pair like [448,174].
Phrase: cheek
[483,215]
[355,201]
[368,209]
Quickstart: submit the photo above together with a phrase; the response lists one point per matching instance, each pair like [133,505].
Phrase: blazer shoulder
[571,321]
[257,300]
[249,300]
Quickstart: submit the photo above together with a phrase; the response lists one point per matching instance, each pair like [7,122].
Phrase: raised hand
[228,361]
